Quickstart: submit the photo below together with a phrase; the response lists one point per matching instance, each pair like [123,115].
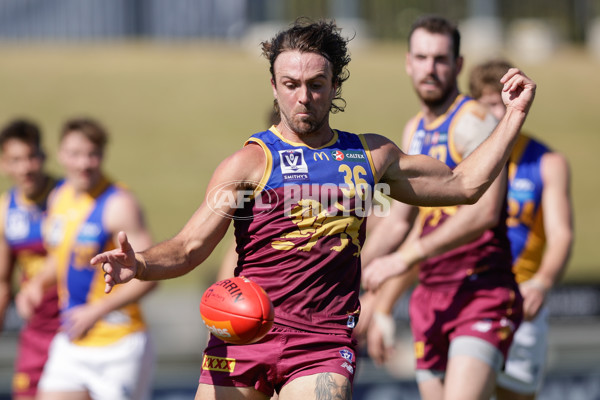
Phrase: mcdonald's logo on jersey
[321,155]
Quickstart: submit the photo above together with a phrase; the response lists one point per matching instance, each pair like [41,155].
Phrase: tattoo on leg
[328,389]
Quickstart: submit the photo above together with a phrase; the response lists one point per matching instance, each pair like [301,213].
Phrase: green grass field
[175,111]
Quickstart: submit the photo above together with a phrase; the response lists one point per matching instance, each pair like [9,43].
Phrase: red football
[237,310]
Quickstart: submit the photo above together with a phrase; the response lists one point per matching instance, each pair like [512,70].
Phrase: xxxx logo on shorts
[221,364]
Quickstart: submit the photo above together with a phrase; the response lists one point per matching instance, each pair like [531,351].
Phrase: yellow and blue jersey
[75,232]
[525,215]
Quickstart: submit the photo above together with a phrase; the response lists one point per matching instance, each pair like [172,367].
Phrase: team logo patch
[220,364]
[17,225]
[506,329]
[482,326]
[416,143]
[21,381]
[293,165]
[419,349]
[347,355]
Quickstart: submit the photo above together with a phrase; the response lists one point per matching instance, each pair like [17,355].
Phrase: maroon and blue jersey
[21,221]
[486,258]
[301,234]
[21,226]
[525,218]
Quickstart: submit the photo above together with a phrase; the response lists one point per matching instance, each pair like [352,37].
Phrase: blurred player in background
[540,229]
[102,350]
[22,210]
[305,252]
[467,305]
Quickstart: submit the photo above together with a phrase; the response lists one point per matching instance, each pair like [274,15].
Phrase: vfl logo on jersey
[293,165]
[416,143]
[222,364]
[17,225]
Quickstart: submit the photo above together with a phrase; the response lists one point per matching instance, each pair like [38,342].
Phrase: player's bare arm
[389,232]
[31,294]
[422,180]
[6,272]
[558,228]
[197,239]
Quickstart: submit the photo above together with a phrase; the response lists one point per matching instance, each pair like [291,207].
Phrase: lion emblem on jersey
[315,221]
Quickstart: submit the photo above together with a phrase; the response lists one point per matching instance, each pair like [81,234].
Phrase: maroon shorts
[32,354]
[281,356]
[438,316]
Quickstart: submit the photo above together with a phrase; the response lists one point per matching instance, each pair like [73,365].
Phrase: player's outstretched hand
[518,91]
[119,265]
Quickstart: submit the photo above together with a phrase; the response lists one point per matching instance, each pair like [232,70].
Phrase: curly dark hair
[21,129]
[321,37]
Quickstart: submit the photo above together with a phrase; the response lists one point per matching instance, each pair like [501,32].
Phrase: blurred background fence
[572,20]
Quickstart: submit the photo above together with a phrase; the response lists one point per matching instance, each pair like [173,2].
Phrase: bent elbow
[472,196]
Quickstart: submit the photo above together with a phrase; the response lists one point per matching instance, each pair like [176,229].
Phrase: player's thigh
[431,389]
[469,378]
[211,392]
[321,386]
[71,395]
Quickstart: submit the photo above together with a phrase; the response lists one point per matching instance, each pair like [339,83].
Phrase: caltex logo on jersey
[337,155]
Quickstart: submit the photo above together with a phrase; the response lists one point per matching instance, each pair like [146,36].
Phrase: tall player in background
[301,233]
[22,210]
[467,305]
[540,228]
[102,350]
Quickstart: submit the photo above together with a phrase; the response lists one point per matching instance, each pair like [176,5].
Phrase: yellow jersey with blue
[74,233]
[525,215]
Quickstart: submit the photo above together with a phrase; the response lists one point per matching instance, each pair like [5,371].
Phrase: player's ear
[459,64]
[274,87]
[407,66]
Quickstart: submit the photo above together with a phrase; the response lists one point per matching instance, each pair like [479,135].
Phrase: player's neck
[38,191]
